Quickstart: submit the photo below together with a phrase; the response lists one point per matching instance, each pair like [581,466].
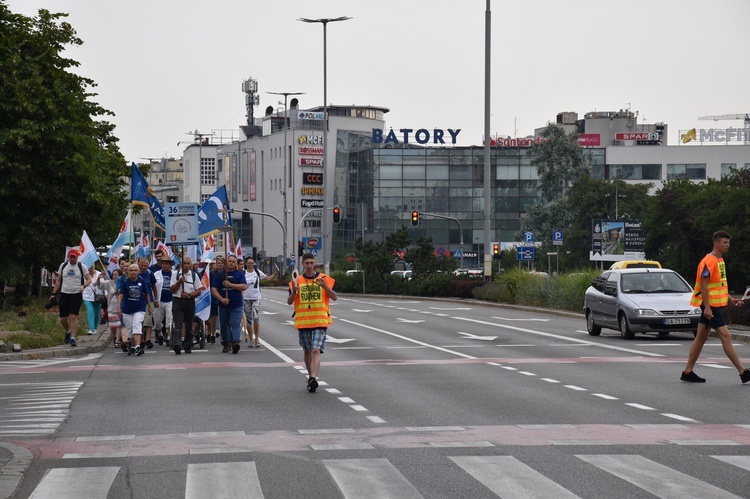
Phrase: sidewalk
[87,344]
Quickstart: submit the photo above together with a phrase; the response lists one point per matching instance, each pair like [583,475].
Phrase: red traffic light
[414,218]
[336,214]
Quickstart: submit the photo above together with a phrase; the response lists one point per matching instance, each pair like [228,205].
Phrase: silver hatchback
[640,300]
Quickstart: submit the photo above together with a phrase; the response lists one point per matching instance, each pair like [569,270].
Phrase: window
[725,167]
[204,198]
[208,171]
[693,171]
[635,172]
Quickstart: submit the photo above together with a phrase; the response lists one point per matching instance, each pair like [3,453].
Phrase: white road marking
[519,320]
[407,321]
[75,483]
[678,417]
[238,480]
[369,478]
[605,397]
[640,406]
[506,476]
[470,336]
[655,478]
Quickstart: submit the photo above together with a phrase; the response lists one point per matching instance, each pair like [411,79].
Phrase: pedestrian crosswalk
[35,408]
[486,475]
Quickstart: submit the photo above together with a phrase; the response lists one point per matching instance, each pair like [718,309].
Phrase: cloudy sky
[167,67]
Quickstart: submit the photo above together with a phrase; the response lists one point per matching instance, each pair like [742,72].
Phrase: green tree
[685,216]
[424,261]
[590,198]
[377,258]
[62,170]
[559,161]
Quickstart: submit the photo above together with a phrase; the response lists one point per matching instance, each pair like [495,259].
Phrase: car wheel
[593,329]
[625,331]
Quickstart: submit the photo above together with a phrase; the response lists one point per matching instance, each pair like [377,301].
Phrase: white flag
[88,251]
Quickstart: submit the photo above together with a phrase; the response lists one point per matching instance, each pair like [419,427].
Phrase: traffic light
[414,218]
[495,250]
[300,248]
[336,214]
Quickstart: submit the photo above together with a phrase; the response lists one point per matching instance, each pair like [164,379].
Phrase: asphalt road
[418,398]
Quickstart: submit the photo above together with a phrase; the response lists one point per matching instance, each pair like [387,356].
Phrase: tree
[685,216]
[377,258]
[61,168]
[559,161]
[424,261]
[590,198]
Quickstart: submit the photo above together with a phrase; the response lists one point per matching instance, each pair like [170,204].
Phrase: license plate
[671,322]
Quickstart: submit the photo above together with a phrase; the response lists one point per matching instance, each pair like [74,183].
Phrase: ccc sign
[312,178]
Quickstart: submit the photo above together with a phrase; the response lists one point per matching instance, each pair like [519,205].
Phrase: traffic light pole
[460,231]
[283,230]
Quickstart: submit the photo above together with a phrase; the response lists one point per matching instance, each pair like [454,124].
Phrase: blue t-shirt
[235,295]
[166,294]
[134,295]
[149,278]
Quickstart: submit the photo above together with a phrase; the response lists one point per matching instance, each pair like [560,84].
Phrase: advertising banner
[616,240]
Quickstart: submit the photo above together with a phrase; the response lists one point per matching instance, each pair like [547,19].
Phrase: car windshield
[662,282]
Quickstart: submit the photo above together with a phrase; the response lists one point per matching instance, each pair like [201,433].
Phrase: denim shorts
[311,339]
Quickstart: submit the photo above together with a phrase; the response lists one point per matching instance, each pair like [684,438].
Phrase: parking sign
[557,237]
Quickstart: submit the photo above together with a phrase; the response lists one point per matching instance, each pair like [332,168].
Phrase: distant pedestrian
[74,277]
[91,294]
[186,286]
[252,297]
[135,301]
[163,314]
[227,288]
[711,293]
[109,286]
[310,293]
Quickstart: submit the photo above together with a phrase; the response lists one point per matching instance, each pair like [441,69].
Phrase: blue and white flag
[203,302]
[124,237]
[141,194]
[213,213]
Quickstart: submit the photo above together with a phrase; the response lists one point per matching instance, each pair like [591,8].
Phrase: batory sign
[421,136]
[312,178]
[312,151]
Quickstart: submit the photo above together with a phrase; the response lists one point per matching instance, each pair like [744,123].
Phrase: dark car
[640,300]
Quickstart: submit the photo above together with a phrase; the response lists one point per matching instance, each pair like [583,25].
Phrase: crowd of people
[146,305]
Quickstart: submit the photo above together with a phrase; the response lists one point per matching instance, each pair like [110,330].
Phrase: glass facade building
[378,187]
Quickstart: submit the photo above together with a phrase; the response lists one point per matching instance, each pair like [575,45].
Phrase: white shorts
[133,323]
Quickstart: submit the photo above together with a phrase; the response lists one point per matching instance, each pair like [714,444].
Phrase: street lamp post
[286,180]
[324,21]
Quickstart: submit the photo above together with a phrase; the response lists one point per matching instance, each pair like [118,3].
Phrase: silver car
[640,300]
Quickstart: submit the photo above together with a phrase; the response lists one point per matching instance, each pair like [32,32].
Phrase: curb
[12,471]
[97,343]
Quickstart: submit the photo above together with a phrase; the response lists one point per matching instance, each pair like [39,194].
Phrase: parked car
[640,300]
[469,272]
[353,272]
[403,274]
[636,264]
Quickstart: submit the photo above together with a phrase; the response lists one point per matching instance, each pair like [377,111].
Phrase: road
[418,398]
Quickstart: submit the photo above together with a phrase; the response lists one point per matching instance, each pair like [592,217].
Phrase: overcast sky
[166,67]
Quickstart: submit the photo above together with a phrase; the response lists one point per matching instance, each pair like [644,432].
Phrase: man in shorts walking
[711,293]
[74,276]
[310,294]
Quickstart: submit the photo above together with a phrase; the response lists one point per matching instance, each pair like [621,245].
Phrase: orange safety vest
[718,290]
[311,303]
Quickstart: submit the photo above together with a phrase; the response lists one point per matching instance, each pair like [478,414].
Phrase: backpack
[80,269]
[257,281]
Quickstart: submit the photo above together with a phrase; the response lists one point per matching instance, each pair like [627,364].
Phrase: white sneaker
[90,333]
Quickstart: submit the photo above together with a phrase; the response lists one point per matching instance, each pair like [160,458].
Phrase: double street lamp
[324,21]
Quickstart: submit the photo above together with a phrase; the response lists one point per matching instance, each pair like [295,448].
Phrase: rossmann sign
[420,136]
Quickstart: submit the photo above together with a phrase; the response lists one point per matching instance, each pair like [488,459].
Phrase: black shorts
[214,309]
[70,304]
[718,319]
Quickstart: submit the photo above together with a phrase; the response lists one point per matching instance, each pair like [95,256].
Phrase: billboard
[616,240]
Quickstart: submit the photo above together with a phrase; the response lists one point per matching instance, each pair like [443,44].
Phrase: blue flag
[212,214]
[141,194]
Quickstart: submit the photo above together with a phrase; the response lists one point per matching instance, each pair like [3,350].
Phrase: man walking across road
[251,297]
[310,293]
[227,288]
[711,293]
[148,320]
[163,314]
[74,277]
